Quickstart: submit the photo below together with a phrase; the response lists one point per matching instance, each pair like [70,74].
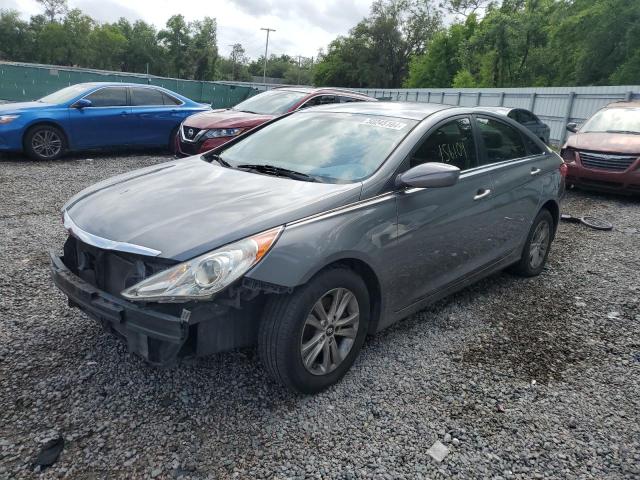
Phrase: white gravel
[536,378]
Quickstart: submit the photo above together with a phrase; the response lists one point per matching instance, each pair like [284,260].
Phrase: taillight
[563,169]
[568,155]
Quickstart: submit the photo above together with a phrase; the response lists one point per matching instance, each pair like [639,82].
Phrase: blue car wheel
[45,142]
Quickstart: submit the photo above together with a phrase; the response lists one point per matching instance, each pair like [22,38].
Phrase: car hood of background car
[6,108]
[189,207]
[227,118]
[624,143]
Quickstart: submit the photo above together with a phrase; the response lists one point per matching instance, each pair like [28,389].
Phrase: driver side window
[452,143]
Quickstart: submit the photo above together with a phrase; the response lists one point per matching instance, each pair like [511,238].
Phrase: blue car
[94,115]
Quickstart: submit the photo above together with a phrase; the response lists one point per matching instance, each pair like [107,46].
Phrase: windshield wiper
[623,131]
[277,171]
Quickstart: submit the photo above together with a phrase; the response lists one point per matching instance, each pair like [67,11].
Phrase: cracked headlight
[203,276]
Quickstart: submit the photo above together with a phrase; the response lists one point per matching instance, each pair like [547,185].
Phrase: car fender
[56,122]
[364,231]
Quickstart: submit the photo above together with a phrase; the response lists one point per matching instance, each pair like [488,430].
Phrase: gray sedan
[310,232]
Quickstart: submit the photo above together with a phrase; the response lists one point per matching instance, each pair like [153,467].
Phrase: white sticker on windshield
[377,122]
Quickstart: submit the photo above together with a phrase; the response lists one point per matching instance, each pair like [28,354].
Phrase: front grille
[108,270]
[190,132]
[189,148]
[606,161]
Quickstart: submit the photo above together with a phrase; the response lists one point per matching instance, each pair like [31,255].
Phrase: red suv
[604,153]
[200,133]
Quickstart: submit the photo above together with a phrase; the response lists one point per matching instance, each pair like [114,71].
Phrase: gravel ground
[519,378]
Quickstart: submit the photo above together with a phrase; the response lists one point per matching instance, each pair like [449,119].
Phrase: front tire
[172,141]
[537,246]
[45,142]
[308,340]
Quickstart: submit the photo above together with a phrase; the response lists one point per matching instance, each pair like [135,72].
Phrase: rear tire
[537,246]
[305,350]
[45,142]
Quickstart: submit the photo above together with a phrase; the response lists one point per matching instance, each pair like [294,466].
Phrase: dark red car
[604,153]
[200,133]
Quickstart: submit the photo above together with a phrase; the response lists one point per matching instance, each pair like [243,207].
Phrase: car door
[445,233]
[107,122]
[518,166]
[155,116]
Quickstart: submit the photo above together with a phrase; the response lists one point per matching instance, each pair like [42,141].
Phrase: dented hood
[188,207]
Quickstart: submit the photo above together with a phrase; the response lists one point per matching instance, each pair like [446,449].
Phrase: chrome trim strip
[344,209]
[196,138]
[105,243]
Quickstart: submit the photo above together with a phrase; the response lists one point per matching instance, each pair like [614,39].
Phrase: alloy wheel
[46,143]
[539,244]
[330,331]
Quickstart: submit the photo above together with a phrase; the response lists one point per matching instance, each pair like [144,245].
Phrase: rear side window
[523,116]
[322,100]
[452,143]
[146,96]
[349,99]
[169,100]
[108,97]
[501,141]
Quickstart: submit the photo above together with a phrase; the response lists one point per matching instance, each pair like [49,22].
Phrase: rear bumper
[617,182]
[157,337]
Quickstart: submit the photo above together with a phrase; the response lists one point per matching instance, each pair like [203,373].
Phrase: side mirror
[82,103]
[572,127]
[429,175]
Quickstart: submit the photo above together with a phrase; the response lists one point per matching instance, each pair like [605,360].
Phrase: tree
[16,38]
[53,8]
[107,44]
[203,49]
[176,40]
[238,60]
[380,46]
[446,55]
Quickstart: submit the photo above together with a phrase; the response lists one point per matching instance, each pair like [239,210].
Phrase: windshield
[331,147]
[625,120]
[65,95]
[273,102]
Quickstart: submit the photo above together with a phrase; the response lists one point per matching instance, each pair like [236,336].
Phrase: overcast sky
[302,26]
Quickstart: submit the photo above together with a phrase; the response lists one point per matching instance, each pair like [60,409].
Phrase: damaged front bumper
[155,336]
[161,337]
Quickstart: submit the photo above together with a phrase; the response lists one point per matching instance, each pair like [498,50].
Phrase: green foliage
[535,43]
[71,38]
[377,50]
[464,79]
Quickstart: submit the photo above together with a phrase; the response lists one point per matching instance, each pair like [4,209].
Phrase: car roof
[500,110]
[337,91]
[118,84]
[624,104]
[408,110]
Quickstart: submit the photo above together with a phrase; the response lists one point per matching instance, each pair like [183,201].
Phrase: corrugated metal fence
[21,82]
[556,106]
